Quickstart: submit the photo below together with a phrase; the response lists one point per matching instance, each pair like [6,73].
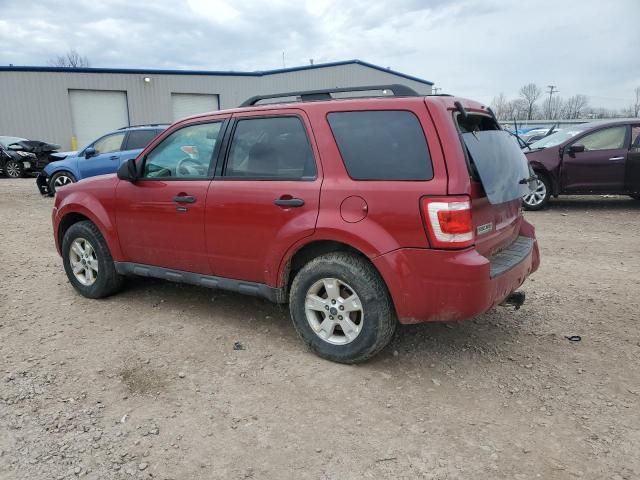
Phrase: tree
[574,107]
[552,110]
[636,105]
[71,59]
[500,106]
[530,93]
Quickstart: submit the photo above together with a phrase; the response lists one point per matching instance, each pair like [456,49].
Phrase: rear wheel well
[66,223]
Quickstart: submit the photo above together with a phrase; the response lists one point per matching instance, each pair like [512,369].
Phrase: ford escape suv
[358,212]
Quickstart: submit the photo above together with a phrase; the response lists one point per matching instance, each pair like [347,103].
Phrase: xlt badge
[485,228]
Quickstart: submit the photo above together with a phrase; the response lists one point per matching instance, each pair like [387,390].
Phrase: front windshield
[557,137]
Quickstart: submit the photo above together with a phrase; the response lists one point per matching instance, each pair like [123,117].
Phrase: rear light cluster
[448,221]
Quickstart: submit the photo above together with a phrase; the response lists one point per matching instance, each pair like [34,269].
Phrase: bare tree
[636,105]
[574,107]
[71,59]
[552,110]
[530,93]
[500,106]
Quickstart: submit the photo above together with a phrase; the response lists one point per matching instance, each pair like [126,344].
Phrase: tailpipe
[516,299]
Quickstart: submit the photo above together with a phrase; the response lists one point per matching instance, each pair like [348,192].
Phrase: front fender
[79,203]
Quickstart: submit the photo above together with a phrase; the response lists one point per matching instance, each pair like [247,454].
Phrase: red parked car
[593,158]
[357,212]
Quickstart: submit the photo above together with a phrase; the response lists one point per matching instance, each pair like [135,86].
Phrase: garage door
[96,112]
[185,104]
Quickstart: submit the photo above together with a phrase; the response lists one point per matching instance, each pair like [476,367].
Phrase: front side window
[140,138]
[274,148]
[382,145]
[109,144]
[185,154]
[605,139]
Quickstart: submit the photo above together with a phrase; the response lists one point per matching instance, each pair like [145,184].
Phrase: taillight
[448,221]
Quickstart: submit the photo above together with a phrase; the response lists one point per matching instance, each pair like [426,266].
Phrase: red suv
[358,212]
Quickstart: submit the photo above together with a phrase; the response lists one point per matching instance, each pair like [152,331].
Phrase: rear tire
[341,308]
[13,169]
[60,179]
[88,263]
[538,199]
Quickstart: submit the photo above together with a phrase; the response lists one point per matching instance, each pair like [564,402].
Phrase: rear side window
[140,138]
[382,145]
[275,148]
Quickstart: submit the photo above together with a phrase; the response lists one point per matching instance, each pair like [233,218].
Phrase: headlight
[25,154]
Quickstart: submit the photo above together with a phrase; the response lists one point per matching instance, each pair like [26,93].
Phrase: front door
[601,166]
[106,158]
[265,198]
[160,218]
[632,170]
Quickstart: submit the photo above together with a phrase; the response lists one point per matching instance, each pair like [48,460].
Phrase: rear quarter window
[382,145]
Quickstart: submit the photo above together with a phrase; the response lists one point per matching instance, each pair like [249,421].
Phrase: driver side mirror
[128,171]
[576,148]
[90,152]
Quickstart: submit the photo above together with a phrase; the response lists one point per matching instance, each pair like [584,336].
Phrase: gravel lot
[147,384]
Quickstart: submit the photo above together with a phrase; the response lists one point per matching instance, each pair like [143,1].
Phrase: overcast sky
[470,48]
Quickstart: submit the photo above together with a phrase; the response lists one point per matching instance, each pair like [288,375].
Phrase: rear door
[601,166]
[160,217]
[136,141]
[265,197]
[106,158]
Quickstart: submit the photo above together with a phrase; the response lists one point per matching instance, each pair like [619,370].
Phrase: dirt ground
[147,384]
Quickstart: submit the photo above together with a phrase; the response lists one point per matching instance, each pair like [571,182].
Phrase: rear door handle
[185,199]
[114,157]
[289,202]
[615,159]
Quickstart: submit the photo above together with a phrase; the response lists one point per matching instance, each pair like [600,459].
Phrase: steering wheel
[188,167]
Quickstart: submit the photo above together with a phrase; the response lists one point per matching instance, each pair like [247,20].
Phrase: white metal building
[73,106]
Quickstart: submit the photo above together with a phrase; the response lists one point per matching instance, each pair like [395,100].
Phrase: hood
[56,156]
[34,146]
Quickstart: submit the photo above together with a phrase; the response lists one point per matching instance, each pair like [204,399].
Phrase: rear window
[494,158]
[382,145]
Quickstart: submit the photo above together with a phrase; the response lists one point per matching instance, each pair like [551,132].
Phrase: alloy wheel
[13,169]
[83,261]
[334,311]
[62,180]
[537,196]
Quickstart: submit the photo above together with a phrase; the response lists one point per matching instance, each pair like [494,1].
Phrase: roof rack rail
[144,125]
[397,89]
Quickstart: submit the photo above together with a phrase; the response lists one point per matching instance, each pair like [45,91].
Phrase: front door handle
[185,199]
[615,159]
[289,202]
[114,157]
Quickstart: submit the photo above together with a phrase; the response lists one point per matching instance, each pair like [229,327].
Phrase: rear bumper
[443,285]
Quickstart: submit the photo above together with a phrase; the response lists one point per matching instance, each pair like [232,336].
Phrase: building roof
[259,73]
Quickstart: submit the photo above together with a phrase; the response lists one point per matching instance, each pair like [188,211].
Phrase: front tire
[538,199]
[341,308]
[13,169]
[88,263]
[60,179]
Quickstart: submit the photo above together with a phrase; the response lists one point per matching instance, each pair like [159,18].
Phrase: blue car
[100,157]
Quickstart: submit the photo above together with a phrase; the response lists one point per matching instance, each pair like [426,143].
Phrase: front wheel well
[67,221]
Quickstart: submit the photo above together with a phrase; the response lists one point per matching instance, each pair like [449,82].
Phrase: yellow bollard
[74,143]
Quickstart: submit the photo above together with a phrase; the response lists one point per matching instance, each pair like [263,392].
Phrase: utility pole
[552,90]
[436,90]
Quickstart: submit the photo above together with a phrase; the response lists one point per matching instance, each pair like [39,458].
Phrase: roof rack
[325,94]
[145,125]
